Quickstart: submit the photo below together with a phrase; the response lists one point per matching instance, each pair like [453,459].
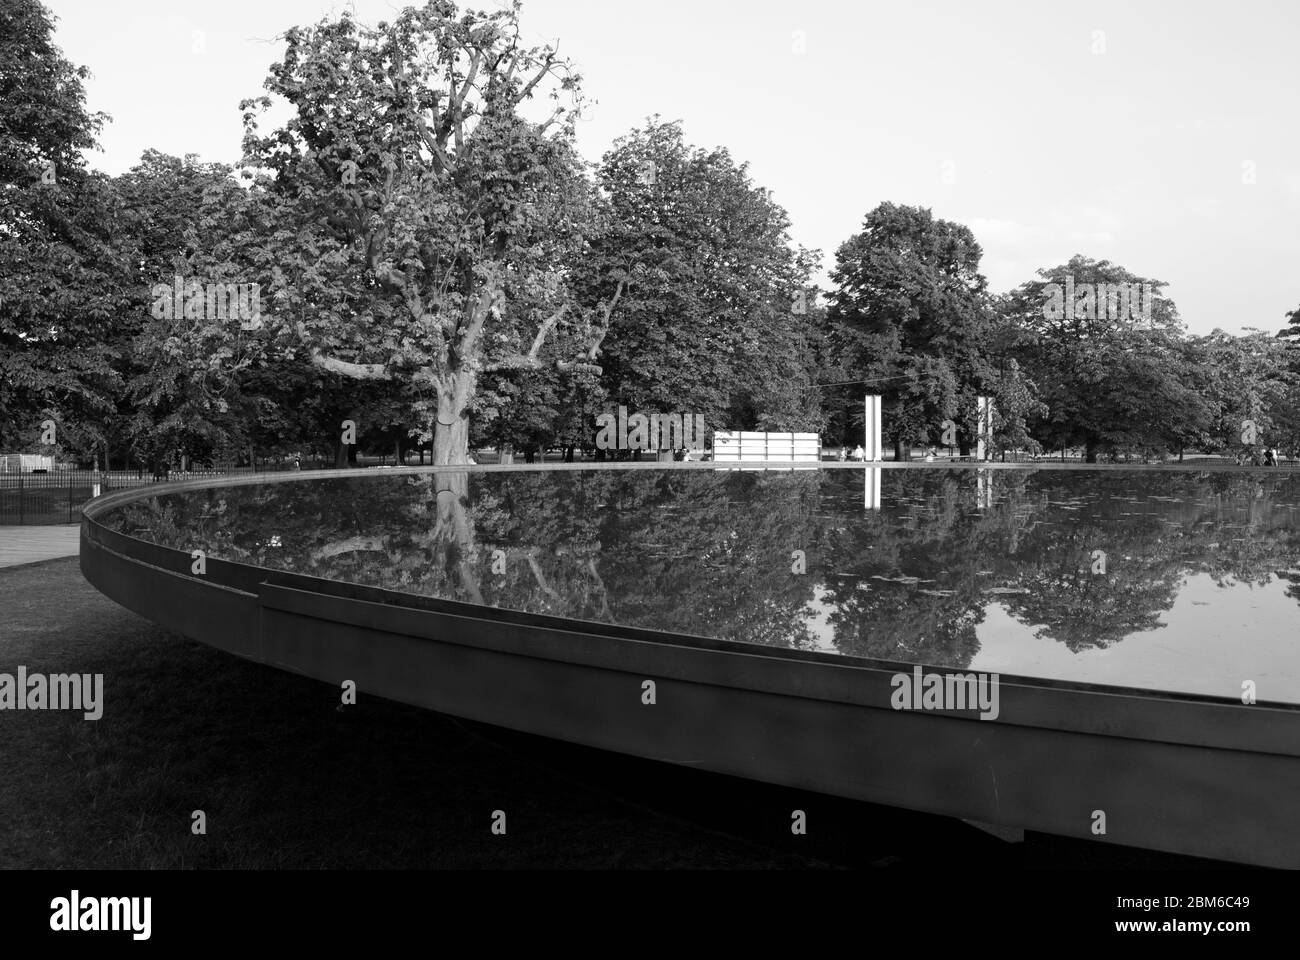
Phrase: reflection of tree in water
[686,551]
[1154,536]
[708,552]
[904,582]
[913,582]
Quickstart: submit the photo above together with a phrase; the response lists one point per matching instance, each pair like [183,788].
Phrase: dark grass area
[288,781]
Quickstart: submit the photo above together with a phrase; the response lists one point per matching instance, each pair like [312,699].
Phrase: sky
[1162,135]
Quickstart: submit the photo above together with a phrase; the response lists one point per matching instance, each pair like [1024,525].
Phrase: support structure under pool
[1200,775]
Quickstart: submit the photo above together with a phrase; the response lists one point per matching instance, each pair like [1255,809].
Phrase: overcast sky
[1164,136]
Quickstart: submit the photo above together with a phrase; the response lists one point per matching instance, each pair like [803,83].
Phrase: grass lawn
[285,779]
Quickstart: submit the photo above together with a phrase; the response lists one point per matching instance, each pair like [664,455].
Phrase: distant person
[686,455]
[859,453]
[297,463]
[844,453]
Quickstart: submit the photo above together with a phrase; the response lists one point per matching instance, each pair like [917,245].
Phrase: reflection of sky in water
[1212,640]
[987,571]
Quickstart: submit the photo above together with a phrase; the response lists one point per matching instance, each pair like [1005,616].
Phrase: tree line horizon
[432,259]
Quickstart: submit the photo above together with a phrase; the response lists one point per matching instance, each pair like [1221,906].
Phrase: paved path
[29,544]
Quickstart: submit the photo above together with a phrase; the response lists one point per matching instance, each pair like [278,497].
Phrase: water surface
[1167,581]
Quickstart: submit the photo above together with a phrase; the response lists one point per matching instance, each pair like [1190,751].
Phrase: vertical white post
[983,489]
[873,448]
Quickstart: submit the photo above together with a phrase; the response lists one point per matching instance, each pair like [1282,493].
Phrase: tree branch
[594,350]
[346,368]
[528,88]
[487,299]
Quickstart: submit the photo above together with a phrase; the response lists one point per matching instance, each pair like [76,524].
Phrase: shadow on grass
[285,779]
[288,781]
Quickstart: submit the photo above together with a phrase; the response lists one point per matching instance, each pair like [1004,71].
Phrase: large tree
[1102,344]
[715,318]
[183,395]
[909,314]
[1244,381]
[62,289]
[422,219]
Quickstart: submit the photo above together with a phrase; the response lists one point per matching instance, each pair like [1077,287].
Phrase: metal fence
[58,496]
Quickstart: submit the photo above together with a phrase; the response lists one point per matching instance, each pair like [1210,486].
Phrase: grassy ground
[285,779]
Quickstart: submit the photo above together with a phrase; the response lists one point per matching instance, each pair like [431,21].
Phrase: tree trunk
[340,455]
[902,452]
[451,433]
[1090,449]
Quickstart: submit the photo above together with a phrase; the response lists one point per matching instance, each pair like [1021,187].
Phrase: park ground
[288,781]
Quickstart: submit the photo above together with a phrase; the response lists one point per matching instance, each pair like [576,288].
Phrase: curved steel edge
[1176,774]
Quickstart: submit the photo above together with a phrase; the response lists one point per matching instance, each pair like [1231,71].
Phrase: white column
[873,448]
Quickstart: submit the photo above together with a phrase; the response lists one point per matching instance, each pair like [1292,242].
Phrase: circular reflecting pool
[1167,581]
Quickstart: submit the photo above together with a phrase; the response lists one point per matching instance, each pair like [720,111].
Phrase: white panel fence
[749,445]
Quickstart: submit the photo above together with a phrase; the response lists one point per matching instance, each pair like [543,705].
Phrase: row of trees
[436,263]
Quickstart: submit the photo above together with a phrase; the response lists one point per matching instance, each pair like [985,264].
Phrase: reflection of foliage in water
[709,552]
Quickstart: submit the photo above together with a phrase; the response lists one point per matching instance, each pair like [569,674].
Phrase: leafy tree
[1015,403]
[421,220]
[61,277]
[183,394]
[1244,379]
[715,316]
[910,315]
[1108,368]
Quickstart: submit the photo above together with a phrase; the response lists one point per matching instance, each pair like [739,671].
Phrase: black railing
[58,496]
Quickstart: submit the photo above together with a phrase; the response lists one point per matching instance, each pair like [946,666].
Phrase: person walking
[859,453]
